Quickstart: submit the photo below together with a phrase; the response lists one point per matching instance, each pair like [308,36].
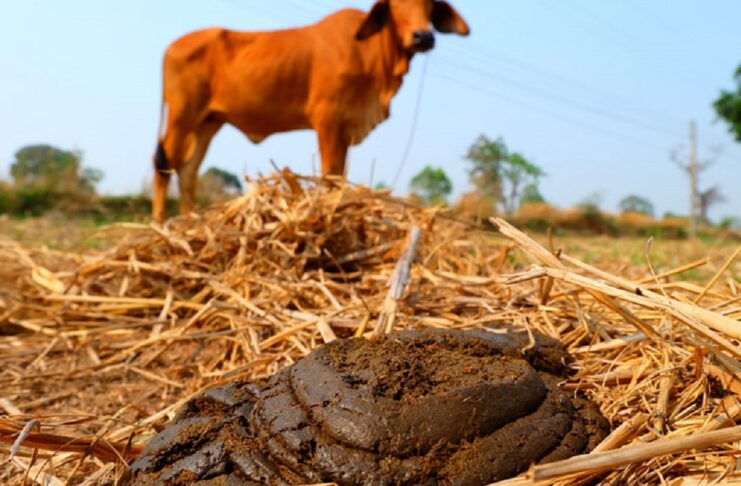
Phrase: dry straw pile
[99,351]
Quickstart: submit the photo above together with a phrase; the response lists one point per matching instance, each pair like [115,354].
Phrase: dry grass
[99,350]
[56,230]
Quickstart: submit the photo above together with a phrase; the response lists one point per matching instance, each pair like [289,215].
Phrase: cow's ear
[376,19]
[447,20]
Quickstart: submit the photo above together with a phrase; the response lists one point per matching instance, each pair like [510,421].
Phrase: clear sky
[595,92]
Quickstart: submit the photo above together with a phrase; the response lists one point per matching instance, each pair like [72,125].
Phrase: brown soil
[428,407]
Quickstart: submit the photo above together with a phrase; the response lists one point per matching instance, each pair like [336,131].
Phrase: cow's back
[276,81]
[261,82]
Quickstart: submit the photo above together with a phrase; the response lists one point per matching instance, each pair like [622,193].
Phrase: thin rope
[415,119]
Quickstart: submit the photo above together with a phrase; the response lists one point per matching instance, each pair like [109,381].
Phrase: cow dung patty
[435,407]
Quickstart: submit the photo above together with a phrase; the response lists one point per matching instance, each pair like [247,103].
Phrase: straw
[102,348]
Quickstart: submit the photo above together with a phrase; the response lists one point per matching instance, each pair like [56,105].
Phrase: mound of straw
[100,350]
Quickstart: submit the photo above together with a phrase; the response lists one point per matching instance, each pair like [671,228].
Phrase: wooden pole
[692,172]
[397,283]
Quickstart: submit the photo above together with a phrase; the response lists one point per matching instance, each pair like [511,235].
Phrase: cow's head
[410,21]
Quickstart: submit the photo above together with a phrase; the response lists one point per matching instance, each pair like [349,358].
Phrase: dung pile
[417,407]
[100,350]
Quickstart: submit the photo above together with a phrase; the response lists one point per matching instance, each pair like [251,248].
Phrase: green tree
[499,174]
[231,181]
[592,202]
[531,194]
[486,157]
[728,106]
[216,184]
[730,222]
[432,185]
[636,204]
[49,168]
[516,171]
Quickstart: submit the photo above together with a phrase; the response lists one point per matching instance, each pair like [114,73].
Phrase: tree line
[46,178]
[506,180]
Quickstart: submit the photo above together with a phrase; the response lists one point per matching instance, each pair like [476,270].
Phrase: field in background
[621,254]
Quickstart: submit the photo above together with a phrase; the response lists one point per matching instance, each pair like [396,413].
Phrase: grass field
[55,231]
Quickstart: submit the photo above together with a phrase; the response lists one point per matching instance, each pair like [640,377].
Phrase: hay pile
[99,351]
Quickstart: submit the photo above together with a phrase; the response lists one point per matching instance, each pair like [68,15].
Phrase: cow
[337,77]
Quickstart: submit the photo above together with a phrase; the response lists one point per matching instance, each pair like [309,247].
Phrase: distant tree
[730,222]
[49,168]
[381,185]
[531,194]
[728,106]
[432,185]
[231,182]
[518,170]
[592,202]
[486,157]
[709,198]
[217,184]
[500,174]
[636,204]
[6,194]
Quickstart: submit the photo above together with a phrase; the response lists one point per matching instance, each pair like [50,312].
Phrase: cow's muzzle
[423,40]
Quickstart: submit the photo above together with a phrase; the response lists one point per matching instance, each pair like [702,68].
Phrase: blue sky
[597,93]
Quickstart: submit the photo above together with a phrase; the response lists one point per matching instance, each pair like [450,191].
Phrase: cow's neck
[394,64]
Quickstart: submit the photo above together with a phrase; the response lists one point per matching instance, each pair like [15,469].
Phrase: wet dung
[435,407]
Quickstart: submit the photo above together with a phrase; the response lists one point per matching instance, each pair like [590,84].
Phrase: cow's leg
[333,149]
[161,181]
[174,138]
[159,196]
[188,171]
[167,159]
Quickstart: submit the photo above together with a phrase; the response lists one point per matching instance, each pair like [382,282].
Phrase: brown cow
[337,76]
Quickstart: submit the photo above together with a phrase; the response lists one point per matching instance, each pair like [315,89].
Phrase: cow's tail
[161,163]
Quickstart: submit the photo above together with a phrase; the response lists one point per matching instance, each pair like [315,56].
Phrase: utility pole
[691,169]
[692,166]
